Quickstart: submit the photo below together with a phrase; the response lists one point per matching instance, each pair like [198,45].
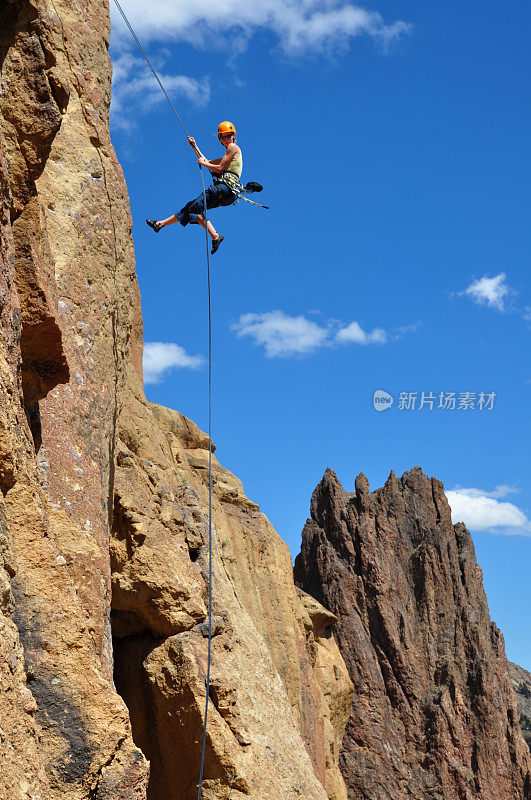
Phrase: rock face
[276,673]
[433,715]
[103,501]
[67,307]
[521,681]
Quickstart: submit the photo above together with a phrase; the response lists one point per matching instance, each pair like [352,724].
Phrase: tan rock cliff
[276,667]
[67,309]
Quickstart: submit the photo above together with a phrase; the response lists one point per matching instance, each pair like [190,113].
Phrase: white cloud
[483,511]
[134,88]
[355,333]
[281,334]
[491,292]
[299,25]
[159,357]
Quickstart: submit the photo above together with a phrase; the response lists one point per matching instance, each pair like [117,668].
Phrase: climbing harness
[209,652]
[231,180]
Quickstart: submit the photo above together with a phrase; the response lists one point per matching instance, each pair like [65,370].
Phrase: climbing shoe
[216,243]
[252,186]
[154,224]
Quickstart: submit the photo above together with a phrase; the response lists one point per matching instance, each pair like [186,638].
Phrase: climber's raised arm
[219,165]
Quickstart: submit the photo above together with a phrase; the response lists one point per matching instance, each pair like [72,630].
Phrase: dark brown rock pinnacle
[433,715]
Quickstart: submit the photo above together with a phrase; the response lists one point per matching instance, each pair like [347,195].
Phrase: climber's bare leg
[212,231]
[170,221]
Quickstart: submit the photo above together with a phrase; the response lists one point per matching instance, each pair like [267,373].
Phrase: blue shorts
[216,196]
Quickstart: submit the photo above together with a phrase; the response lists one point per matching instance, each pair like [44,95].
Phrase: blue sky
[393,144]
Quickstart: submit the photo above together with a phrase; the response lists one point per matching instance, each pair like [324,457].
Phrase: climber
[226,173]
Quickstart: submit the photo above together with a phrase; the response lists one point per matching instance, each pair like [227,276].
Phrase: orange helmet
[226,127]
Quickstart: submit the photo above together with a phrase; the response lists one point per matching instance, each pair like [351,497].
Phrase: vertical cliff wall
[103,502]
[433,713]
[67,311]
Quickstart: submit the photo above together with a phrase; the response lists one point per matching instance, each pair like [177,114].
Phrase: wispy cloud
[502,490]
[159,357]
[300,26]
[404,330]
[284,336]
[484,511]
[492,292]
[135,89]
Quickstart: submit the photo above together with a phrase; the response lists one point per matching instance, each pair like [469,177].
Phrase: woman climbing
[226,173]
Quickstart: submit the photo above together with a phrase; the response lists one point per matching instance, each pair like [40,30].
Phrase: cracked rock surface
[67,305]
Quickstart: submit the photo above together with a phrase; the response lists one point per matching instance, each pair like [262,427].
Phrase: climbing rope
[209,655]
[150,65]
